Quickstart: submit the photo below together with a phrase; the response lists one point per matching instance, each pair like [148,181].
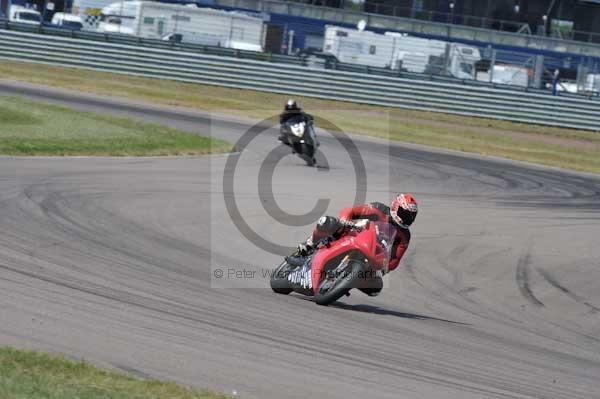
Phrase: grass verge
[34,375]
[567,148]
[32,128]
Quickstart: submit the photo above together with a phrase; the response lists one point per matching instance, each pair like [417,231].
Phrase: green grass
[34,375]
[32,128]
[567,148]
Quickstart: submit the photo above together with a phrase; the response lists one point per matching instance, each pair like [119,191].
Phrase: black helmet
[291,105]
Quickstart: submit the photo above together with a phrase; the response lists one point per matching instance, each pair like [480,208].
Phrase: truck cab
[461,60]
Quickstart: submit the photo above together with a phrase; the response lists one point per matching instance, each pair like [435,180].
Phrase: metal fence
[520,23]
[495,68]
[449,31]
[139,41]
[299,80]
[433,74]
[290,34]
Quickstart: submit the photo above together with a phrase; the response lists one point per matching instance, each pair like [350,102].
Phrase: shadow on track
[386,312]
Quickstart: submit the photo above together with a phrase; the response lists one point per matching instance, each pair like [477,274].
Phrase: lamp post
[545,20]
[451,5]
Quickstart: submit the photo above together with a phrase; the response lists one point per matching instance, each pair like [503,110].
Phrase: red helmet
[404,210]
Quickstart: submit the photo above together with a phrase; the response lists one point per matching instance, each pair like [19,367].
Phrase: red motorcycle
[355,260]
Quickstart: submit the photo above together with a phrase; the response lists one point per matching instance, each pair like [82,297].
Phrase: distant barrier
[270,57]
[244,73]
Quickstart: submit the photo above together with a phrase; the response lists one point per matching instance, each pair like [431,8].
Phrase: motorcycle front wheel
[308,153]
[279,279]
[338,283]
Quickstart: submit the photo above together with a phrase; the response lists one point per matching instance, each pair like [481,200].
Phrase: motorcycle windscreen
[295,120]
[296,126]
[386,235]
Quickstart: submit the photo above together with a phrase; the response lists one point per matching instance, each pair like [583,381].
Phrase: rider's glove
[304,249]
[325,242]
[347,223]
[361,224]
[356,225]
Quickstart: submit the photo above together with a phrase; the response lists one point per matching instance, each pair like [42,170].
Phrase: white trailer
[359,47]
[187,24]
[395,50]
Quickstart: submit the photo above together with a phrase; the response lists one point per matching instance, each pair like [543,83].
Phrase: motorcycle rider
[290,110]
[400,214]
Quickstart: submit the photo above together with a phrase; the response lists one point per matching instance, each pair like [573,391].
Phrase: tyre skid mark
[554,282]
[522,277]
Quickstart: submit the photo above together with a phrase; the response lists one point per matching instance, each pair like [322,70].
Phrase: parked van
[24,15]
[67,21]
[400,51]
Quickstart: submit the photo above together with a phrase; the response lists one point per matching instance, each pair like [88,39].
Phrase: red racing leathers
[375,211]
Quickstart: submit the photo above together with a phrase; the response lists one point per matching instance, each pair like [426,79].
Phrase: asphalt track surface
[113,260]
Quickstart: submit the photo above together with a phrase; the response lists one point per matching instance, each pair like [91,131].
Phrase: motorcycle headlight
[298,129]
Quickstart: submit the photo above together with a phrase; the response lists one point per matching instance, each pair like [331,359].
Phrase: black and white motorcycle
[299,133]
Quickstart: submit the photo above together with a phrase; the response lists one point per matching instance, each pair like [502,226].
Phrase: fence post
[538,71]
[492,65]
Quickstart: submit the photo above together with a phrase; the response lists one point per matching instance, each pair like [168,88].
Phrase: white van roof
[21,8]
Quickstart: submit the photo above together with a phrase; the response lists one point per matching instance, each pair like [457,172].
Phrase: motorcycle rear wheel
[341,286]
